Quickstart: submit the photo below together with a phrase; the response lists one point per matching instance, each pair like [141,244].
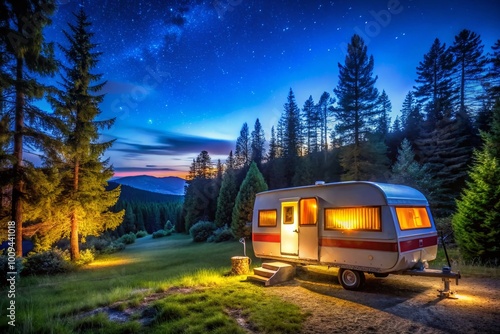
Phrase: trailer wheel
[351,279]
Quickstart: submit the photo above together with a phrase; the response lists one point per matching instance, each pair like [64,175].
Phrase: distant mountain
[170,185]
[131,194]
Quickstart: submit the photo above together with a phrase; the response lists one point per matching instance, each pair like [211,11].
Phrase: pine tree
[26,58]
[411,118]
[225,201]
[258,141]
[434,87]
[77,105]
[291,137]
[356,111]
[470,64]
[243,152]
[492,84]
[476,222]
[385,109]
[312,125]
[409,172]
[324,108]
[243,208]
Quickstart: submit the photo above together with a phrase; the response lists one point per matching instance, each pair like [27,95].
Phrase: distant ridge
[131,194]
[170,185]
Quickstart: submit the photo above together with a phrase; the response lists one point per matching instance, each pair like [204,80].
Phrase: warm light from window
[267,218]
[308,211]
[413,218]
[361,218]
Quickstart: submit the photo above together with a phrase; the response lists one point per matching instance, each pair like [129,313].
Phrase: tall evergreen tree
[77,105]
[470,64]
[312,125]
[225,201]
[258,141]
[493,76]
[324,109]
[26,58]
[243,152]
[385,109]
[434,87]
[243,209]
[412,119]
[356,111]
[292,136]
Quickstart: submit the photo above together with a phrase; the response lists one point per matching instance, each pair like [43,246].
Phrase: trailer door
[308,228]
[289,228]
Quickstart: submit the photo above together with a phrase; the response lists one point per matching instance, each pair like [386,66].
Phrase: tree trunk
[18,184]
[74,246]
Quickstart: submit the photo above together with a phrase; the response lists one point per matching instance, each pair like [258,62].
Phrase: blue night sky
[182,79]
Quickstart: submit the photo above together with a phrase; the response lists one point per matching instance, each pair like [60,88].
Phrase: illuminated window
[411,218]
[308,211]
[288,214]
[361,219]
[267,218]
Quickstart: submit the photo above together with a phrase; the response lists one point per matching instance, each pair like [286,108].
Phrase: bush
[127,239]
[86,257]
[169,226]
[4,267]
[114,247]
[221,234]
[202,230]
[46,263]
[97,244]
[141,234]
[161,234]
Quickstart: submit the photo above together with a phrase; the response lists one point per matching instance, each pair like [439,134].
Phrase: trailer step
[272,273]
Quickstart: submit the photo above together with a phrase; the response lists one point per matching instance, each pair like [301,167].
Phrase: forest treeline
[445,142]
[447,127]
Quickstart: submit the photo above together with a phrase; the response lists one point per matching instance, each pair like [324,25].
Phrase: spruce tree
[77,105]
[409,172]
[324,109]
[492,83]
[470,64]
[312,125]
[292,139]
[243,208]
[356,112]
[225,201]
[434,87]
[476,222]
[243,152]
[385,109]
[26,58]
[257,146]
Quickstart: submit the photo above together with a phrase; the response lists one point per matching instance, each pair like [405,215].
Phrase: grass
[466,268]
[171,284]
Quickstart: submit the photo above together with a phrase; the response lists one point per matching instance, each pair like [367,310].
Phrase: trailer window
[267,218]
[413,218]
[359,219]
[308,210]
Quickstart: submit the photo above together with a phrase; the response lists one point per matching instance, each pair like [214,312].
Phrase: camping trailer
[357,226]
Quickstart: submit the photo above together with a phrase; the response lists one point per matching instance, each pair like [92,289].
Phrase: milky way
[183,76]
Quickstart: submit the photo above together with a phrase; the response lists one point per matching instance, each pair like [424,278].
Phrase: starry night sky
[183,76]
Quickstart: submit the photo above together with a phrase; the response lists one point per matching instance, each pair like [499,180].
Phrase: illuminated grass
[165,277]
[467,268]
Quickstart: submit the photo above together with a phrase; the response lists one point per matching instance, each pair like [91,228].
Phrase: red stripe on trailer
[409,245]
[357,244]
[266,237]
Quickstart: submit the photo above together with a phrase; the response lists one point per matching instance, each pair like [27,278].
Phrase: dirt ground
[396,304]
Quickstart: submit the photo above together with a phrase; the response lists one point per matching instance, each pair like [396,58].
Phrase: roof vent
[319,183]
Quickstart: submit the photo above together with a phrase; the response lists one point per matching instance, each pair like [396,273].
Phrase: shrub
[141,234]
[97,244]
[4,267]
[202,230]
[169,226]
[127,239]
[86,257]
[161,234]
[114,247]
[46,263]
[221,234]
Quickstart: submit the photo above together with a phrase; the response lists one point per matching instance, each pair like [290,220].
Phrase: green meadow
[165,285]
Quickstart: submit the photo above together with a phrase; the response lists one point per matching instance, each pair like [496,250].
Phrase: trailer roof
[394,193]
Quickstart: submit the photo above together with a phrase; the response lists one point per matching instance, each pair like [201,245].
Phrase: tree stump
[240,265]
